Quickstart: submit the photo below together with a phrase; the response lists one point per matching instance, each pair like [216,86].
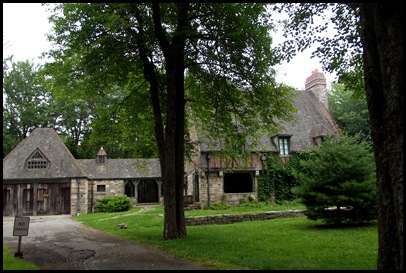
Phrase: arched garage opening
[147,191]
[129,188]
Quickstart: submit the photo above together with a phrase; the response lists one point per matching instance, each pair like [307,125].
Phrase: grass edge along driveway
[277,244]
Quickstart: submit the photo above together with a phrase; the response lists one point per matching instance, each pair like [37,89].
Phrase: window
[284,146]
[237,183]
[318,140]
[101,159]
[101,188]
[101,156]
[37,161]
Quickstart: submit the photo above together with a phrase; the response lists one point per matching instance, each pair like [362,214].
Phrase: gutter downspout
[208,157]
[78,197]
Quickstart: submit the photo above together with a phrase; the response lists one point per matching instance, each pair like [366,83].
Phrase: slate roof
[312,119]
[64,165]
[131,168]
[62,162]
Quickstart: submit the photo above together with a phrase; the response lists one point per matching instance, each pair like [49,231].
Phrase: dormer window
[284,145]
[37,160]
[318,140]
[101,156]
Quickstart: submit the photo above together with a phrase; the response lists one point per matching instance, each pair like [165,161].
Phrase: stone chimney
[316,83]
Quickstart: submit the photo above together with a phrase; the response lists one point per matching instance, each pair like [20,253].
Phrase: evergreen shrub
[116,203]
[338,181]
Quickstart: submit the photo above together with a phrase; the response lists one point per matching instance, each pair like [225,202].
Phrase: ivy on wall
[277,179]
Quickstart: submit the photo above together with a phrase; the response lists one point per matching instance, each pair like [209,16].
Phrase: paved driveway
[59,242]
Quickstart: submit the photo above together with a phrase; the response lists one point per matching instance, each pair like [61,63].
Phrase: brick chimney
[316,83]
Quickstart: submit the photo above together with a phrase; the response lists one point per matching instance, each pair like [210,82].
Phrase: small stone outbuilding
[41,177]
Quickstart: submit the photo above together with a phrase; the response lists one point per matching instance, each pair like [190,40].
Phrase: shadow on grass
[344,225]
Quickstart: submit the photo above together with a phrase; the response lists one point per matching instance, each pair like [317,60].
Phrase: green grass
[277,244]
[12,263]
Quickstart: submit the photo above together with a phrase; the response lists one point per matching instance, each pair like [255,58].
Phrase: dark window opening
[237,182]
[101,188]
[101,159]
[318,140]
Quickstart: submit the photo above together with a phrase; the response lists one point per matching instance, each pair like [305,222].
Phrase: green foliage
[277,180]
[116,203]
[337,183]
[26,103]
[231,87]
[349,111]
[209,64]
[334,31]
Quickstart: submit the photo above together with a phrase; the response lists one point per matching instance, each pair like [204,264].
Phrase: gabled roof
[311,120]
[131,168]
[62,164]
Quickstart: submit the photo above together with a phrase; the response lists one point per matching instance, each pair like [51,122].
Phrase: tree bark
[382,40]
[173,157]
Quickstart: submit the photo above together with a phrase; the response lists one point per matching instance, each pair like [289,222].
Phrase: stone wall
[113,187]
[217,194]
[234,218]
[79,196]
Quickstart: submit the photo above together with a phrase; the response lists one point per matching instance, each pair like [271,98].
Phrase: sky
[25,26]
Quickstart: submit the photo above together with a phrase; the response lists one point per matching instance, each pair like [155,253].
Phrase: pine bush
[338,182]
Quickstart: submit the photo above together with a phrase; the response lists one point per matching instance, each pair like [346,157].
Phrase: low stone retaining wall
[234,218]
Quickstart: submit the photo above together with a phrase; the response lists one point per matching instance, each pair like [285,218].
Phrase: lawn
[12,263]
[277,244]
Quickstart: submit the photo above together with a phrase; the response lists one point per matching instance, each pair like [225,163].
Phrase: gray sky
[25,26]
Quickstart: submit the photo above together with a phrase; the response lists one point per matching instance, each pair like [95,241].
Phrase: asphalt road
[61,243]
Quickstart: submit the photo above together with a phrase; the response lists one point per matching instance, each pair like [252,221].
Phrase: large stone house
[41,177]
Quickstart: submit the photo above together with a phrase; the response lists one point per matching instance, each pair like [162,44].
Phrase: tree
[382,39]
[349,111]
[214,58]
[368,45]
[27,104]
[337,182]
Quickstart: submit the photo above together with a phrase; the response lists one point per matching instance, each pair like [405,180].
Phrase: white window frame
[284,146]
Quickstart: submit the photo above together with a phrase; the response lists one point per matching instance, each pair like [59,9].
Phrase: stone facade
[79,196]
[216,186]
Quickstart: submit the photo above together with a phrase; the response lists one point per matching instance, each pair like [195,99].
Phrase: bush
[115,203]
[337,182]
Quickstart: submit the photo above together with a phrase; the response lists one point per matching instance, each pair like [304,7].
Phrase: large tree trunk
[174,219]
[173,151]
[382,38]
